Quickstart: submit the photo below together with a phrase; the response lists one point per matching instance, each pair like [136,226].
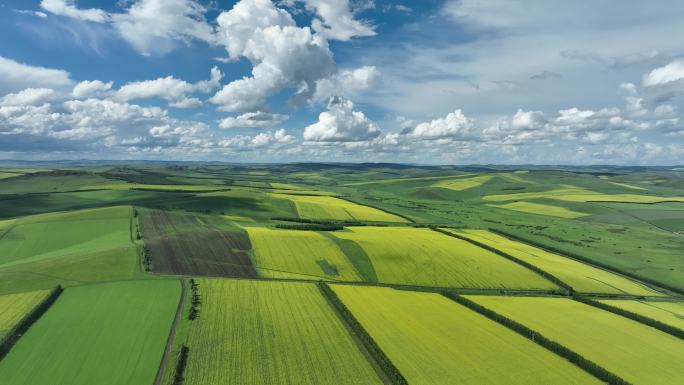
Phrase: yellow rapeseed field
[580,276]
[638,353]
[14,307]
[413,256]
[259,332]
[331,208]
[298,254]
[670,313]
[541,209]
[433,341]
[463,183]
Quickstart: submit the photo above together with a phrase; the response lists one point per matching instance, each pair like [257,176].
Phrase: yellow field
[433,340]
[330,208]
[298,254]
[581,277]
[636,352]
[575,194]
[463,184]
[14,307]
[541,209]
[258,332]
[670,313]
[175,187]
[412,256]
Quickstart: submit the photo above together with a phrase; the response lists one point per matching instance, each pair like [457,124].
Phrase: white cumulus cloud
[340,123]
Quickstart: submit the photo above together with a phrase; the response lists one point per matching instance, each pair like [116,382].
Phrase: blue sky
[434,82]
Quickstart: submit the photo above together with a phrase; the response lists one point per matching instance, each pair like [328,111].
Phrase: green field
[410,256]
[181,243]
[14,307]
[574,194]
[541,209]
[39,252]
[580,276]
[433,340]
[330,208]
[105,334]
[251,332]
[298,254]
[631,350]
[670,313]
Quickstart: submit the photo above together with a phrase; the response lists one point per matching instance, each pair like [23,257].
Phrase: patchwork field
[580,276]
[299,254]
[670,313]
[631,350]
[251,332]
[105,334]
[189,244]
[541,209]
[14,307]
[433,340]
[330,208]
[411,256]
[39,252]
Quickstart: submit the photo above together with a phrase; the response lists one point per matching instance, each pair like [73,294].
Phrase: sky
[425,82]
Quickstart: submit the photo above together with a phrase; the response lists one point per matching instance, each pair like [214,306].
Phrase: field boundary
[29,319]
[172,333]
[643,280]
[588,366]
[374,350]
[663,327]
[527,265]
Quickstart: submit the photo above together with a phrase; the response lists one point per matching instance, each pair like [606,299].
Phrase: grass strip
[12,337]
[380,357]
[590,367]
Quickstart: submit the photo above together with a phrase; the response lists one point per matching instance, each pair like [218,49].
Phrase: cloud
[282,55]
[348,83]
[454,125]
[171,89]
[28,97]
[15,76]
[545,75]
[335,20]
[269,139]
[341,124]
[672,72]
[42,15]
[68,8]
[150,26]
[259,119]
[88,88]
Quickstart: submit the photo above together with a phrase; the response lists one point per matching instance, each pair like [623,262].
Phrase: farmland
[433,340]
[110,333]
[323,207]
[580,276]
[192,274]
[191,244]
[253,332]
[410,256]
[298,254]
[670,313]
[14,307]
[633,351]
